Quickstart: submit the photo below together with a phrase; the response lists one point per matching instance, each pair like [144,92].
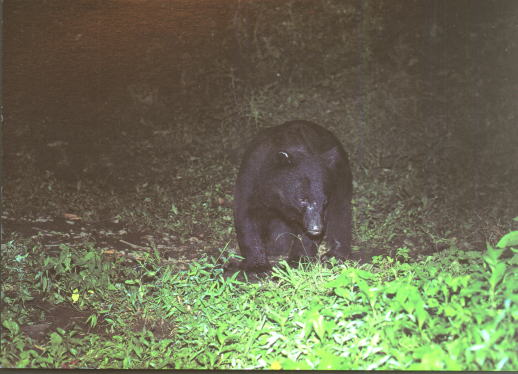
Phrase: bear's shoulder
[300,134]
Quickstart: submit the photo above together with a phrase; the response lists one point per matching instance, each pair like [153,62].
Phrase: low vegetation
[455,310]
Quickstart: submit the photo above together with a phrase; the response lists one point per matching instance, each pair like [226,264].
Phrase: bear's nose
[315,230]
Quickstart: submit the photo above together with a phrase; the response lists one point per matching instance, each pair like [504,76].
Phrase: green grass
[454,310]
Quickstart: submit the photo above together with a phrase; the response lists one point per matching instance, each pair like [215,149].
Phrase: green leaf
[432,357]
[11,326]
[319,325]
[55,339]
[342,280]
[343,292]
[293,365]
[492,255]
[502,362]
[276,317]
[508,240]
[220,335]
[422,315]
[362,274]
[328,361]
[497,273]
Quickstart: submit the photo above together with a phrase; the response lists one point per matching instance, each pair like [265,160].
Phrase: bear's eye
[303,202]
[284,158]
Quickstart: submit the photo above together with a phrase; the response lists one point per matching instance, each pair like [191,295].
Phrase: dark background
[103,97]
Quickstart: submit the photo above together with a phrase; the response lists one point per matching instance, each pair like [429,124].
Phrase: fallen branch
[134,246]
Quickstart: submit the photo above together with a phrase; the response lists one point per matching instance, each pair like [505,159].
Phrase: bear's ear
[331,157]
[284,158]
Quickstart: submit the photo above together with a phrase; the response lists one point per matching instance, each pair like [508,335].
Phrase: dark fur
[294,188]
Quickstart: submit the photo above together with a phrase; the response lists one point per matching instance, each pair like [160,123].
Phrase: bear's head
[299,183]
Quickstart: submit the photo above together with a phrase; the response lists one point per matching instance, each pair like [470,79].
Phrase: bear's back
[300,134]
[303,138]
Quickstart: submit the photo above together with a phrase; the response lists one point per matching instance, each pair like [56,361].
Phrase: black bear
[293,189]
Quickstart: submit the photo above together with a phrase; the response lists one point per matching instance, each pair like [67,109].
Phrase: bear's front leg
[338,235]
[304,249]
[251,245]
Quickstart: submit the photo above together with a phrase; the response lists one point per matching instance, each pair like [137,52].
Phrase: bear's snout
[313,223]
[315,230]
